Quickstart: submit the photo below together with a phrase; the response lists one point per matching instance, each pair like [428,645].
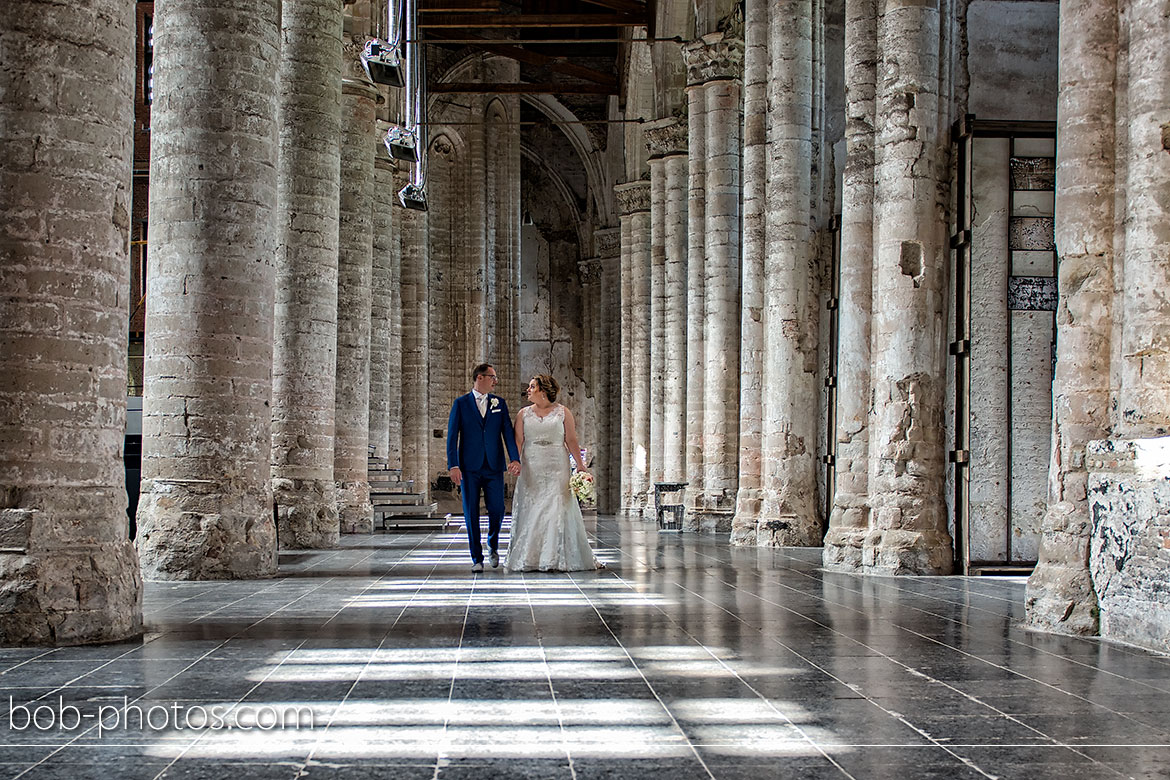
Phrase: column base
[355,513]
[708,521]
[845,539]
[844,549]
[634,505]
[899,552]
[83,595]
[204,530]
[747,515]
[306,514]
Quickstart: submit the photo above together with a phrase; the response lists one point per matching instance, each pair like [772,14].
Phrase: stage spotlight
[413,197]
[402,143]
[382,64]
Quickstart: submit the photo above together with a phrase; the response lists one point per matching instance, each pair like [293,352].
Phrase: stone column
[607,463]
[634,206]
[849,522]
[1145,333]
[206,506]
[68,573]
[667,141]
[388,241]
[1060,594]
[305,342]
[755,204]
[657,320]
[696,302]
[788,513]
[383,372]
[354,296]
[714,69]
[909,526]
[416,427]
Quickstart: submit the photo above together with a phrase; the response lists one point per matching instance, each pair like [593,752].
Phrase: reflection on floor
[683,659]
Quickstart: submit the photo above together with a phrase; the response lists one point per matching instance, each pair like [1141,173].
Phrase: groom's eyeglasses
[492,377]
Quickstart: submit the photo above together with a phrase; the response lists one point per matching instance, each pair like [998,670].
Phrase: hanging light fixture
[413,196]
[380,58]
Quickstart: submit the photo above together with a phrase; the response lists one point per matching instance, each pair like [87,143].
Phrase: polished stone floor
[683,659]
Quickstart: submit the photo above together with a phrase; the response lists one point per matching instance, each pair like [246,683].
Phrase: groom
[477,430]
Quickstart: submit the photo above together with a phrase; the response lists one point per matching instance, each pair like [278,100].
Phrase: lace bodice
[547,431]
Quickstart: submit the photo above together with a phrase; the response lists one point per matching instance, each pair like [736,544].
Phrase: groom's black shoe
[494,559]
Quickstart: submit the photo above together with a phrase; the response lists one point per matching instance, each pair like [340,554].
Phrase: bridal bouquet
[581,483]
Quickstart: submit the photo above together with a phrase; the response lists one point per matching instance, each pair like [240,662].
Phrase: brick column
[416,428]
[384,373]
[206,506]
[354,296]
[387,240]
[305,342]
[68,572]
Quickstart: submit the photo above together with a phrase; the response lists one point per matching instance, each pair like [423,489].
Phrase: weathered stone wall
[305,322]
[1011,59]
[68,573]
[206,506]
[1129,503]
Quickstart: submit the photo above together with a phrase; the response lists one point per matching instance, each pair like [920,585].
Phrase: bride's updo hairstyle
[548,386]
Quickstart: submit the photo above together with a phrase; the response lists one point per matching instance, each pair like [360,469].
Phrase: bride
[548,532]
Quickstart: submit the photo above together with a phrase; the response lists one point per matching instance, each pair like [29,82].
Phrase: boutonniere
[495,402]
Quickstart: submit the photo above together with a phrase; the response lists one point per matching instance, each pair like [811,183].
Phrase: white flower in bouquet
[581,483]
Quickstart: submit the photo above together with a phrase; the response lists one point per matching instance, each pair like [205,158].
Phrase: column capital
[717,56]
[607,242]
[590,269]
[354,80]
[632,197]
[666,137]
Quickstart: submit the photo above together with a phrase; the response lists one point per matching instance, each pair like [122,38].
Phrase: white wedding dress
[548,532]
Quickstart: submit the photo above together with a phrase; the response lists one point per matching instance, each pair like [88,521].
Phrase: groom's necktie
[481,403]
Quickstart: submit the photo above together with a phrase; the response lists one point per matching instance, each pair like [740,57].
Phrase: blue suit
[476,445]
